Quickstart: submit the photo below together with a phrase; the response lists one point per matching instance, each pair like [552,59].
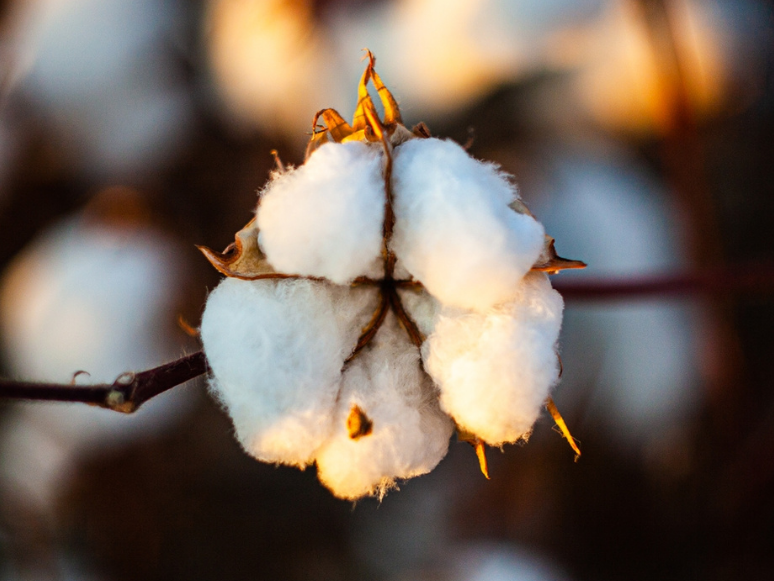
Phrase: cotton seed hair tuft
[389,290]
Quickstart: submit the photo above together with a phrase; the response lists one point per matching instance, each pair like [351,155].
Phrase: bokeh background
[641,133]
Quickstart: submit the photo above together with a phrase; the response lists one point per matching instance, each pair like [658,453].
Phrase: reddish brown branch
[750,280]
[126,394]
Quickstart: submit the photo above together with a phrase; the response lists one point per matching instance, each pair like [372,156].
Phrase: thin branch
[754,279]
[131,390]
[126,394]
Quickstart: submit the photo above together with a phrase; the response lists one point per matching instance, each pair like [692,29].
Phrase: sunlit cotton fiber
[276,349]
[410,434]
[495,368]
[454,230]
[325,218]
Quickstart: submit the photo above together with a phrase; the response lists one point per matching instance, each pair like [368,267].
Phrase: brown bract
[244,259]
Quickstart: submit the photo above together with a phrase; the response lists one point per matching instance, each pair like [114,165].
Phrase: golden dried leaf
[243,258]
[358,423]
[480,447]
[391,110]
[339,129]
[318,138]
[551,263]
[364,101]
[551,406]
[366,124]
[361,135]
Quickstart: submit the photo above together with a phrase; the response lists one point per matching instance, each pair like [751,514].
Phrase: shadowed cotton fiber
[410,434]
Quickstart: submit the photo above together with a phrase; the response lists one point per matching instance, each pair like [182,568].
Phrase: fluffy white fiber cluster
[455,231]
[280,349]
[325,218]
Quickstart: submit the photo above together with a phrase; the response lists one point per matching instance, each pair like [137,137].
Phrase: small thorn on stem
[78,373]
[551,406]
[481,454]
[478,445]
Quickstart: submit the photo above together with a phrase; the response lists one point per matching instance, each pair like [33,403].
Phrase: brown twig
[755,279]
[126,394]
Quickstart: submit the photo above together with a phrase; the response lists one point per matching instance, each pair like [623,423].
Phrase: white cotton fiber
[495,368]
[454,230]
[325,217]
[276,349]
[410,434]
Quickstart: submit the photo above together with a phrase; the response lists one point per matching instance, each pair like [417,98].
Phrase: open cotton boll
[495,369]
[276,349]
[325,217]
[454,230]
[410,434]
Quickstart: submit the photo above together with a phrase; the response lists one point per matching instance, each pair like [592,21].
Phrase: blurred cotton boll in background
[502,562]
[626,83]
[451,53]
[275,62]
[489,561]
[639,358]
[96,292]
[270,63]
[103,77]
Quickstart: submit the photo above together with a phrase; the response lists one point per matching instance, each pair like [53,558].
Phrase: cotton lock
[325,218]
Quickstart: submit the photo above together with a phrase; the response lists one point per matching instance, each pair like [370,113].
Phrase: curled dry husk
[245,260]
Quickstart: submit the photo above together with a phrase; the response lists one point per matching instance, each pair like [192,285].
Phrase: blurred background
[641,133]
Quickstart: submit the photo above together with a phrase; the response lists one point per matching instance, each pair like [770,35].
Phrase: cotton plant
[389,291]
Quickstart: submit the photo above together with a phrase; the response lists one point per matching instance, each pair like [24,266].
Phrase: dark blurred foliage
[191,506]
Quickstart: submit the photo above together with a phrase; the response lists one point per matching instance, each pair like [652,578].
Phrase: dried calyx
[449,263]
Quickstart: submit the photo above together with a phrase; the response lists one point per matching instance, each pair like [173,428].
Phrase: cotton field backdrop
[638,133]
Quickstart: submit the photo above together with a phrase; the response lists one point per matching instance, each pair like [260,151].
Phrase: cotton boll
[105,76]
[94,296]
[325,217]
[276,348]
[495,369]
[454,230]
[89,296]
[410,434]
[632,366]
